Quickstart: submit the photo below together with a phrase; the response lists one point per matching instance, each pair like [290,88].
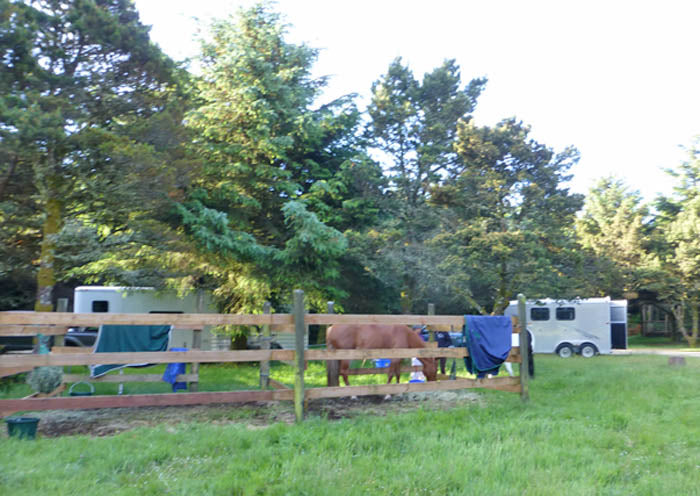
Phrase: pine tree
[267,153]
[508,220]
[75,74]
[413,126]
[678,222]
[611,228]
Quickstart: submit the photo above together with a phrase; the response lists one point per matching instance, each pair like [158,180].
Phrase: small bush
[45,379]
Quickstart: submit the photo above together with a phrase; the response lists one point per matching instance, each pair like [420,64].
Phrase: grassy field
[607,425]
[657,342]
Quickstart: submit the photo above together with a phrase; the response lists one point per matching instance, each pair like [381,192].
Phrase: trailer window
[100,306]
[539,314]
[566,313]
[618,314]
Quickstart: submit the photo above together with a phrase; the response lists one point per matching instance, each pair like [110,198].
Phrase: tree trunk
[679,313]
[693,337]
[501,302]
[46,277]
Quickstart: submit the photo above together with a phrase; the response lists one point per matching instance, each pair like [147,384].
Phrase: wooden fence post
[193,386]
[194,367]
[299,330]
[332,366]
[431,333]
[265,364]
[61,306]
[524,349]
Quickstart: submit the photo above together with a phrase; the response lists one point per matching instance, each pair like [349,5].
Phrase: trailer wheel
[588,350]
[565,350]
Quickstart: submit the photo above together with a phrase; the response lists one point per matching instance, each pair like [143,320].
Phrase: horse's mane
[414,340]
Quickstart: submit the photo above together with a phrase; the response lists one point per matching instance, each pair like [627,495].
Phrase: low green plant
[45,379]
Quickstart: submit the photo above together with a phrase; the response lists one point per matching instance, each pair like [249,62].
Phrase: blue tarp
[488,340]
[129,338]
[173,370]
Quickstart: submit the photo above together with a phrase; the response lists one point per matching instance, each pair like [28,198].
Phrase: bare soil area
[106,422]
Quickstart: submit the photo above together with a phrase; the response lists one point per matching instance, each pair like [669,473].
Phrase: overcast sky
[619,80]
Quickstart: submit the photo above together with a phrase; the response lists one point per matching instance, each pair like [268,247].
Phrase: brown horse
[372,336]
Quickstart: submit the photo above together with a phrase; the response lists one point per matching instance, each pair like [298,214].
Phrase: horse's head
[429,368]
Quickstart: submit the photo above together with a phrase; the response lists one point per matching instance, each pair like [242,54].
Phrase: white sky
[618,79]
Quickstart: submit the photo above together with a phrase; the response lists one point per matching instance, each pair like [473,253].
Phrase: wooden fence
[57,324]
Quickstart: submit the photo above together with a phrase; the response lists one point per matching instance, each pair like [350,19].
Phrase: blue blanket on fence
[488,340]
[129,338]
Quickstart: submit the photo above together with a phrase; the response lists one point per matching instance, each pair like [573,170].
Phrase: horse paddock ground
[259,415]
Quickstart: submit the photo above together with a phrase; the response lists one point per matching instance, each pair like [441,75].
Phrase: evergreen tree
[267,154]
[413,125]
[75,76]
[611,228]
[678,269]
[133,238]
[508,221]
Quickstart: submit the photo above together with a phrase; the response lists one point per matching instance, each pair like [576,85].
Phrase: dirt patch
[106,422]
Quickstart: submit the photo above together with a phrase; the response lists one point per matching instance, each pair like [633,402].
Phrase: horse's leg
[344,366]
[396,369]
[343,372]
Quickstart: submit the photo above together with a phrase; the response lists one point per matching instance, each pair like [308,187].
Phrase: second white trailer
[586,326]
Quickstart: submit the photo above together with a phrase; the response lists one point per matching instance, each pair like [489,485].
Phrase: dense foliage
[118,167]
[80,82]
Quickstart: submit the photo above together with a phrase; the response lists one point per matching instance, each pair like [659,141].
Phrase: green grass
[603,426]
[638,341]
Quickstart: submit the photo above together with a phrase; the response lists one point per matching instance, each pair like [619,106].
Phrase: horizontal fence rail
[182,320]
[56,323]
[509,384]
[66,359]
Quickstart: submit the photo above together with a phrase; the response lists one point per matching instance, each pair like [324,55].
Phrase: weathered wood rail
[57,324]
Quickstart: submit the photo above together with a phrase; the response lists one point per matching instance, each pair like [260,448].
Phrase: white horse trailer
[586,326]
[119,299]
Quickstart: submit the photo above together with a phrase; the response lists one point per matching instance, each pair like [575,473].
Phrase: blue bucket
[382,362]
[416,380]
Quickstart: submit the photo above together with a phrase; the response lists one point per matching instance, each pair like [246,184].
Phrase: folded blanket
[488,341]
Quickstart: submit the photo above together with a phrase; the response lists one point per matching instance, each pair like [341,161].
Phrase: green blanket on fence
[129,338]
